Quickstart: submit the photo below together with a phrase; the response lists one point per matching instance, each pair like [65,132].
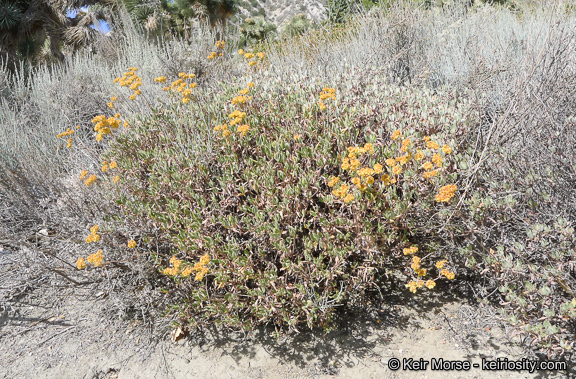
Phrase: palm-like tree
[27,26]
[165,17]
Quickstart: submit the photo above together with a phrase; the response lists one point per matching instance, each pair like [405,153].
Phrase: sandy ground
[52,329]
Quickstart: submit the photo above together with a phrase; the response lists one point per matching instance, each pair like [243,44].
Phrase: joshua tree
[28,26]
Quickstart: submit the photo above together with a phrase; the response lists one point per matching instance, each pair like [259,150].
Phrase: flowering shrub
[276,224]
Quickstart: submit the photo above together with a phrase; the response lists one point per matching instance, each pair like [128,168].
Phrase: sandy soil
[53,329]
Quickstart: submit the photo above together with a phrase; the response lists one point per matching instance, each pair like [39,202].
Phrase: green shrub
[253,189]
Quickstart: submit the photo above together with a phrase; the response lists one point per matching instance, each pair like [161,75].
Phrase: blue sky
[103,25]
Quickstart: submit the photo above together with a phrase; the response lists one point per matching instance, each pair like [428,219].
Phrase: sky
[103,25]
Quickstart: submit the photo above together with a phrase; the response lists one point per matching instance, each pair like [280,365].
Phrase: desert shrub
[282,204]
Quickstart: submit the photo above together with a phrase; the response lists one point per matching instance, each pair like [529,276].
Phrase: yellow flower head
[199,277]
[428,166]
[116,179]
[333,180]
[297,137]
[91,179]
[96,258]
[160,79]
[410,250]
[391,162]
[403,159]
[186,272]
[261,55]
[396,134]
[430,284]
[250,85]
[440,264]
[205,259]
[446,149]
[432,145]
[446,193]
[356,181]
[349,198]
[252,63]
[83,174]
[437,159]
[321,105]
[396,170]
[430,174]
[419,156]
[370,180]
[131,244]
[113,164]
[241,52]
[80,263]
[378,168]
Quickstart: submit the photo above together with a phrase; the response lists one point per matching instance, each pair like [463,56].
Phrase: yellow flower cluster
[181,86]
[440,264]
[446,193]
[250,56]
[160,79]
[243,129]
[413,285]
[405,144]
[448,274]
[327,93]
[200,267]
[410,250]
[131,80]
[240,99]
[342,192]
[94,236]
[91,179]
[67,133]
[219,45]
[430,174]
[96,258]
[333,180]
[365,175]
[109,166]
[396,135]
[105,125]
[437,159]
[416,267]
[131,244]
[80,263]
